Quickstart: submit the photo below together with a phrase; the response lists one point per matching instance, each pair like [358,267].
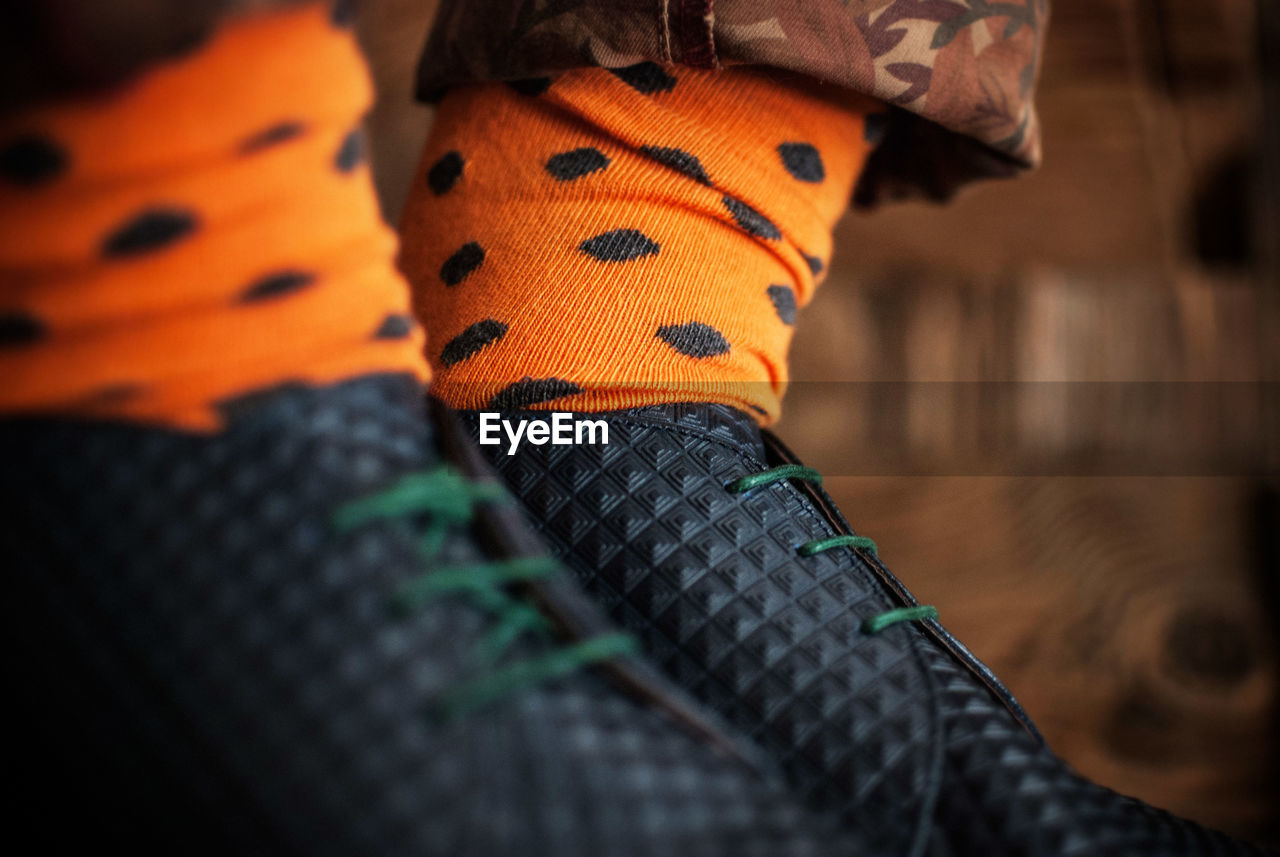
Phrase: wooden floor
[1046,401]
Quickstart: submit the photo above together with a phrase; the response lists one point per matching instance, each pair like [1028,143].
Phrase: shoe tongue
[720,421]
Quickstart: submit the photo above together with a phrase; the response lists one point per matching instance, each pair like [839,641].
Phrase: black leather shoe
[707,539]
[312,633]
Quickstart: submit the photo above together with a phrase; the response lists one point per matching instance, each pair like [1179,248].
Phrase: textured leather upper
[199,662]
[904,732]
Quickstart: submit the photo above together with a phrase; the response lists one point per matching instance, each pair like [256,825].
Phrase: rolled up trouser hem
[960,78]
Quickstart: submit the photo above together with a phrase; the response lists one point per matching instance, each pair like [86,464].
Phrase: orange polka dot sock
[206,231]
[616,238]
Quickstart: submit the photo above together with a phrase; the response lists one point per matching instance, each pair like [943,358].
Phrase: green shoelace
[448,501]
[874,624]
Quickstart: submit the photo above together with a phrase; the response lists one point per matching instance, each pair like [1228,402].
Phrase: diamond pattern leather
[711,583]
[1006,793]
[202,664]
[912,739]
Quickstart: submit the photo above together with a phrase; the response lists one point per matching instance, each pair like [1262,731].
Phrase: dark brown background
[1131,609]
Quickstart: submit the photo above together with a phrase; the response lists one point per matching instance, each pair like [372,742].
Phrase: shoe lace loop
[783,472]
[447,500]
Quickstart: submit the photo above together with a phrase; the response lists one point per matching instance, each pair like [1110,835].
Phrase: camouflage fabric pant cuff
[959,74]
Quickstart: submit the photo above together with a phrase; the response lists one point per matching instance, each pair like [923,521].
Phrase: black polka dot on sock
[679,160]
[281,132]
[784,301]
[472,340]
[277,284]
[531,86]
[394,326]
[343,13]
[460,265]
[577,163]
[444,173]
[532,391]
[815,264]
[803,161]
[874,128]
[187,40]
[112,394]
[751,220]
[646,77]
[694,339]
[620,245]
[32,160]
[352,151]
[18,328]
[147,231]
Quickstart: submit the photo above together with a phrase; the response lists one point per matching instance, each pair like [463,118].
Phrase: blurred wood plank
[1129,613]
[1121,612]
[1050,373]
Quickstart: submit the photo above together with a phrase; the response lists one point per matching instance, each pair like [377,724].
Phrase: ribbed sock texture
[615,238]
[207,231]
